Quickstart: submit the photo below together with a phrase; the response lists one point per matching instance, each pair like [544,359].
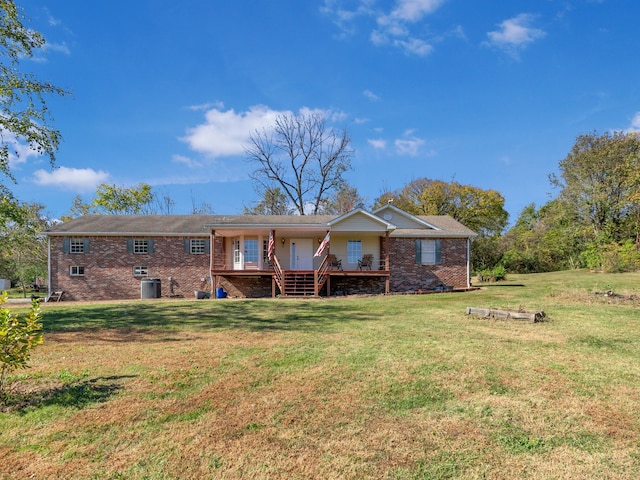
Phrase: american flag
[323,245]
[271,248]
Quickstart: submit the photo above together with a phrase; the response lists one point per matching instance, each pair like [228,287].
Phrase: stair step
[299,284]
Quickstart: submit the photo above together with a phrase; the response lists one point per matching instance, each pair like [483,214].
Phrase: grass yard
[396,387]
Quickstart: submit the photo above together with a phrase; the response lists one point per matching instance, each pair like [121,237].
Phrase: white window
[428,252]
[76,271]
[236,251]
[197,246]
[354,251]
[76,245]
[140,271]
[251,250]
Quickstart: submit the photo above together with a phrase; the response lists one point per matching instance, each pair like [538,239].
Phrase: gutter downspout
[468,262]
[49,290]
[212,253]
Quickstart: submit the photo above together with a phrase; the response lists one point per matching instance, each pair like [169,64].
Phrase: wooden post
[386,264]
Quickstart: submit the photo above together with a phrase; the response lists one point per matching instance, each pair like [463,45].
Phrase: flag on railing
[271,248]
[323,245]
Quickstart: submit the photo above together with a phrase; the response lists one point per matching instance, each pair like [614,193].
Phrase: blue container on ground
[220,293]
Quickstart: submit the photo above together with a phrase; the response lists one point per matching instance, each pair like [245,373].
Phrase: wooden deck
[302,282]
[268,273]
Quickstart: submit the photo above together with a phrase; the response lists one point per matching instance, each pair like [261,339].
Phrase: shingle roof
[222,220]
[448,224]
[133,224]
[200,224]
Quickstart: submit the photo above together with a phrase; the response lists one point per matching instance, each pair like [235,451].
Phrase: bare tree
[303,156]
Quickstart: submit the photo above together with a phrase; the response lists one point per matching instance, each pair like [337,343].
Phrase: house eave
[126,234]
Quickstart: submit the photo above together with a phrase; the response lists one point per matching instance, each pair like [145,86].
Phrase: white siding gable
[358,222]
[400,218]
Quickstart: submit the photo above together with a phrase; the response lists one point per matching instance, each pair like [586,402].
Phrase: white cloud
[393,27]
[414,46]
[18,152]
[57,47]
[515,34]
[371,96]
[181,159]
[409,145]
[79,179]
[226,133]
[415,10]
[635,123]
[206,106]
[378,143]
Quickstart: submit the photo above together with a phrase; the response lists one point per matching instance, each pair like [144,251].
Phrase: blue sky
[489,93]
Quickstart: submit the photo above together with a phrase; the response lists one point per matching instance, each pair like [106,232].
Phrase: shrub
[495,274]
[613,257]
[18,336]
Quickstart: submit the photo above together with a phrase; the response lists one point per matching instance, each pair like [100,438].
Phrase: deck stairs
[299,284]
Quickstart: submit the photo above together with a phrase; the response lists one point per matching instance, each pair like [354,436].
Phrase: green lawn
[395,387]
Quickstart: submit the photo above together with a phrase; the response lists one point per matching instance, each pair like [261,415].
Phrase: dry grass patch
[381,387]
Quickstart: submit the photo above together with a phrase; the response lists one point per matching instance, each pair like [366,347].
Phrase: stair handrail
[278,274]
[321,274]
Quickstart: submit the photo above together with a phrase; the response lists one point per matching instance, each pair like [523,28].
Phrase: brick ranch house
[99,257]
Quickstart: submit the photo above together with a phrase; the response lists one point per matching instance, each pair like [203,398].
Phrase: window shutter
[207,246]
[187,245]
[438,251]
[418,251]
[129,245]
[150,245]
[86,245]
[66,245]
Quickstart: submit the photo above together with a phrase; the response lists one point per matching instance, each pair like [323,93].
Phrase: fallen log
[506,314]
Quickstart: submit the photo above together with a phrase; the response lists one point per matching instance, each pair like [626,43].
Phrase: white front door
[237,254]
[302,254]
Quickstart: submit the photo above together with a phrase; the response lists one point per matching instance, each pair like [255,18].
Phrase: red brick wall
[246,287]
[407,276]
[109,269]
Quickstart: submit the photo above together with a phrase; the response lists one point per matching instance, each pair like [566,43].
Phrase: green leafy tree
[343,201]
[544,239]
[19,334]
[24,116]
[303,156]
[600,177]
[599,181]
[24,248]
[274,202]
[115,200]
[119,200]
[480,210]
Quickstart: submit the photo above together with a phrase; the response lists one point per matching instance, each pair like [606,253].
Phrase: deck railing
[278,274]
[321,275]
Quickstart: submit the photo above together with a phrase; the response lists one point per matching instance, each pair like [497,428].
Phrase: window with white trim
[251,250]
[76,271]
[198,246]
[354,251]
[428,252]
[140,271]
[236,250]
